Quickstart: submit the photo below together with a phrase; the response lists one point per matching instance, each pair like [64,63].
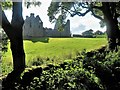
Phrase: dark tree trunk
[111,23]
[14,32]
[17,50]
[17,42]
[112,34]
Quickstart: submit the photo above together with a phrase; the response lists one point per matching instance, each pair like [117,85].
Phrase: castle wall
[56,33]
[33,27]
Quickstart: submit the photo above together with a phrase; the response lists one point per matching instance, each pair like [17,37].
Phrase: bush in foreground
[95,70]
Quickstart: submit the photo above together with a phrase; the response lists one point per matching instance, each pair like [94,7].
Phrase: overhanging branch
[97,7]
[75,12]
[96,16]
[79,13]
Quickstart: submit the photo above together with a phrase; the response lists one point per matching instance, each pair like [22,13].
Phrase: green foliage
[53,10]
[106,65]
[82,8]
[57,9]
[98,32]
[4,41]
[7,4]
[6,68]
[60,23]
[88,33]
[101,36]
[91,34]
[35,3]
[37,61]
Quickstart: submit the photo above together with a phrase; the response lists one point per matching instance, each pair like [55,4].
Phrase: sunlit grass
[56,47]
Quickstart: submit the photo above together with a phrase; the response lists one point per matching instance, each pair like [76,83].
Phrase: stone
[33,28]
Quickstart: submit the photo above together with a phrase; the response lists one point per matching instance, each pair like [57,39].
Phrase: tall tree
[14,30]
[107,12]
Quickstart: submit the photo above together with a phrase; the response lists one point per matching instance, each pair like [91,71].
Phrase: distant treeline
[91,34]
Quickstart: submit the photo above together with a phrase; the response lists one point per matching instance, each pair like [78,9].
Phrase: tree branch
[83,5]
[5,23]
[74,8]
[96,7]
[79,13]
[96,16]
[66,9]
[75,12]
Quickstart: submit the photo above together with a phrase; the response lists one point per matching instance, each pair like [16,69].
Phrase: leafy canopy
[81,9]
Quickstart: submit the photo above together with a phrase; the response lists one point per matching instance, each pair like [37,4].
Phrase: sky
[77,24]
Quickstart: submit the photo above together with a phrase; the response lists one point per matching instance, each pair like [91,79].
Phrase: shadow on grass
[41,39]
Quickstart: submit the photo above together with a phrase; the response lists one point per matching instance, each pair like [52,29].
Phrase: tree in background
[98,32]
[88,33]
[107,12]
[60,24]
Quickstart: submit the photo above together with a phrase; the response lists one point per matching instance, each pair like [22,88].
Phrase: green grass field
[63,48]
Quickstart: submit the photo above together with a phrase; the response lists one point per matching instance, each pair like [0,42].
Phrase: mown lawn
[62,48]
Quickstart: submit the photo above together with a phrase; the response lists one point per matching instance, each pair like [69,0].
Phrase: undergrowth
[95,70]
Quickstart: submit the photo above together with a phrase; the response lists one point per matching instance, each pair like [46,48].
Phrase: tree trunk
[18,51]
[111,23]
[112,34]
[17,42]
[14,32]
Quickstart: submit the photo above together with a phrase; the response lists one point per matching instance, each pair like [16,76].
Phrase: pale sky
[77,24]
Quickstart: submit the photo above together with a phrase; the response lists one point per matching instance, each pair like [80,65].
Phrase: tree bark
[14,32]
[111,23]
[17,42]
[17,51]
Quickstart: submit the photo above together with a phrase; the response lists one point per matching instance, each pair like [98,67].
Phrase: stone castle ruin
[33,28]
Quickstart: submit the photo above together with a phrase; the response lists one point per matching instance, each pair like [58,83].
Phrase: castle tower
[67,29]
[33,27]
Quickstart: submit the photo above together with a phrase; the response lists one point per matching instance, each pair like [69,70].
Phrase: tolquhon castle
[33,27]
